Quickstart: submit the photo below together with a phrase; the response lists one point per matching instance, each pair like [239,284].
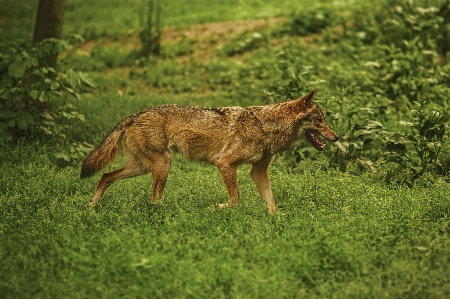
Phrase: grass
[327,240]
[112,18]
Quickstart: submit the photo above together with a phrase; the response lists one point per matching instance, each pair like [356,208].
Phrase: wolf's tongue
[314,140]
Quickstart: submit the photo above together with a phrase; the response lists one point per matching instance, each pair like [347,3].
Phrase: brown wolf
[225,137]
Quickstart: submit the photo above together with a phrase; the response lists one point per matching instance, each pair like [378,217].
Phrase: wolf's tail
[107,151]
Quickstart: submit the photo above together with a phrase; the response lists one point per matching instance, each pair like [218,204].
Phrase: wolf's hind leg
[260,174]
[229,177]
[131,169]
[160,172]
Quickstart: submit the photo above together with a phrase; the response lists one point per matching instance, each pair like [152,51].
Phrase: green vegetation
[335,235]
[113,18]
[367,218]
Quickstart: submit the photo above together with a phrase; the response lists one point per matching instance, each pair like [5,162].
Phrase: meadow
[367,218]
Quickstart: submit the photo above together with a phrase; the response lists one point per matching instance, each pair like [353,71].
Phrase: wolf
[225,137]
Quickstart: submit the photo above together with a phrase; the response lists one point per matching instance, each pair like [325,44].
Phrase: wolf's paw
[220,206]
[158,206]
[89,204]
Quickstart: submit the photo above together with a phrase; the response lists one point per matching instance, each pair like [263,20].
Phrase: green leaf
[78,115]
[33,93]
[86,80]
[341,146]
[4,115]
[54,95]
[417,169]
[54,85]
[396,147]
[31,61]
[5,94]
[62,156]
[72,77]
[434,146]
[351,113]
[23,120]
[34,61]
[406,123]
[17,68]
[61,45]
[70,90]
[42,96]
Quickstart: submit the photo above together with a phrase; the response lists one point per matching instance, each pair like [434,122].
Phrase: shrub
[33,96]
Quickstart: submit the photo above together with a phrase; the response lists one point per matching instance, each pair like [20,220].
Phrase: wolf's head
[310,122]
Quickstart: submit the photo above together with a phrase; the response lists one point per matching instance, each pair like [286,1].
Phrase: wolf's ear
[302,103]
[309,97]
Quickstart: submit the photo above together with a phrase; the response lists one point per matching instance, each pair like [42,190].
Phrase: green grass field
[340,231]
[334,236]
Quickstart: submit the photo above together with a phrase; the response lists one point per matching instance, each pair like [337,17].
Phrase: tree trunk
[49,21]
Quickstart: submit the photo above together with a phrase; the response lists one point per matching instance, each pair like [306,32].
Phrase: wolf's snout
[330,135]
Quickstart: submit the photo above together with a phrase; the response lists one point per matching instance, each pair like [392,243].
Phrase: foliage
[243,42]
[417,151]
[382,74]
[295,76]
[184,47]
[33,96]
[411,71]
[361,134]
[309,20]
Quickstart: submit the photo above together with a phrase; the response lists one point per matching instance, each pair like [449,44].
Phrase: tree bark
[49,22]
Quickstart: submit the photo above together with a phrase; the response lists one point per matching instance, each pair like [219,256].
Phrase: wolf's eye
[319,120]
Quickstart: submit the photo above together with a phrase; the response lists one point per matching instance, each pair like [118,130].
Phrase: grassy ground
[335,234]
[112,18]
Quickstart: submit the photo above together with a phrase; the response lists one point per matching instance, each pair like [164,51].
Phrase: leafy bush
[308,20]
[417,150]
[383,74]
[33,95]
[414,41]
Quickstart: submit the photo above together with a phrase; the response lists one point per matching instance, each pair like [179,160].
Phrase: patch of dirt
[207,31]
[209,37]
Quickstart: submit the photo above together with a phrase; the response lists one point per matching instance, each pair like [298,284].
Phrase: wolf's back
[107,151]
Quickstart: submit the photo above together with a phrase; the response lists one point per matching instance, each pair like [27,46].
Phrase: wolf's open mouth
[312,137]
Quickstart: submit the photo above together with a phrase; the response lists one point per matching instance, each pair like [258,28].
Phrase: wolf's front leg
[229,177]
[260,174]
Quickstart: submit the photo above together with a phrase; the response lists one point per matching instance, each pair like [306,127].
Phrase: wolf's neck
[278,126]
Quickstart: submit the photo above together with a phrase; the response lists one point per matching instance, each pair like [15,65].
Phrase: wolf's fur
[225,137]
